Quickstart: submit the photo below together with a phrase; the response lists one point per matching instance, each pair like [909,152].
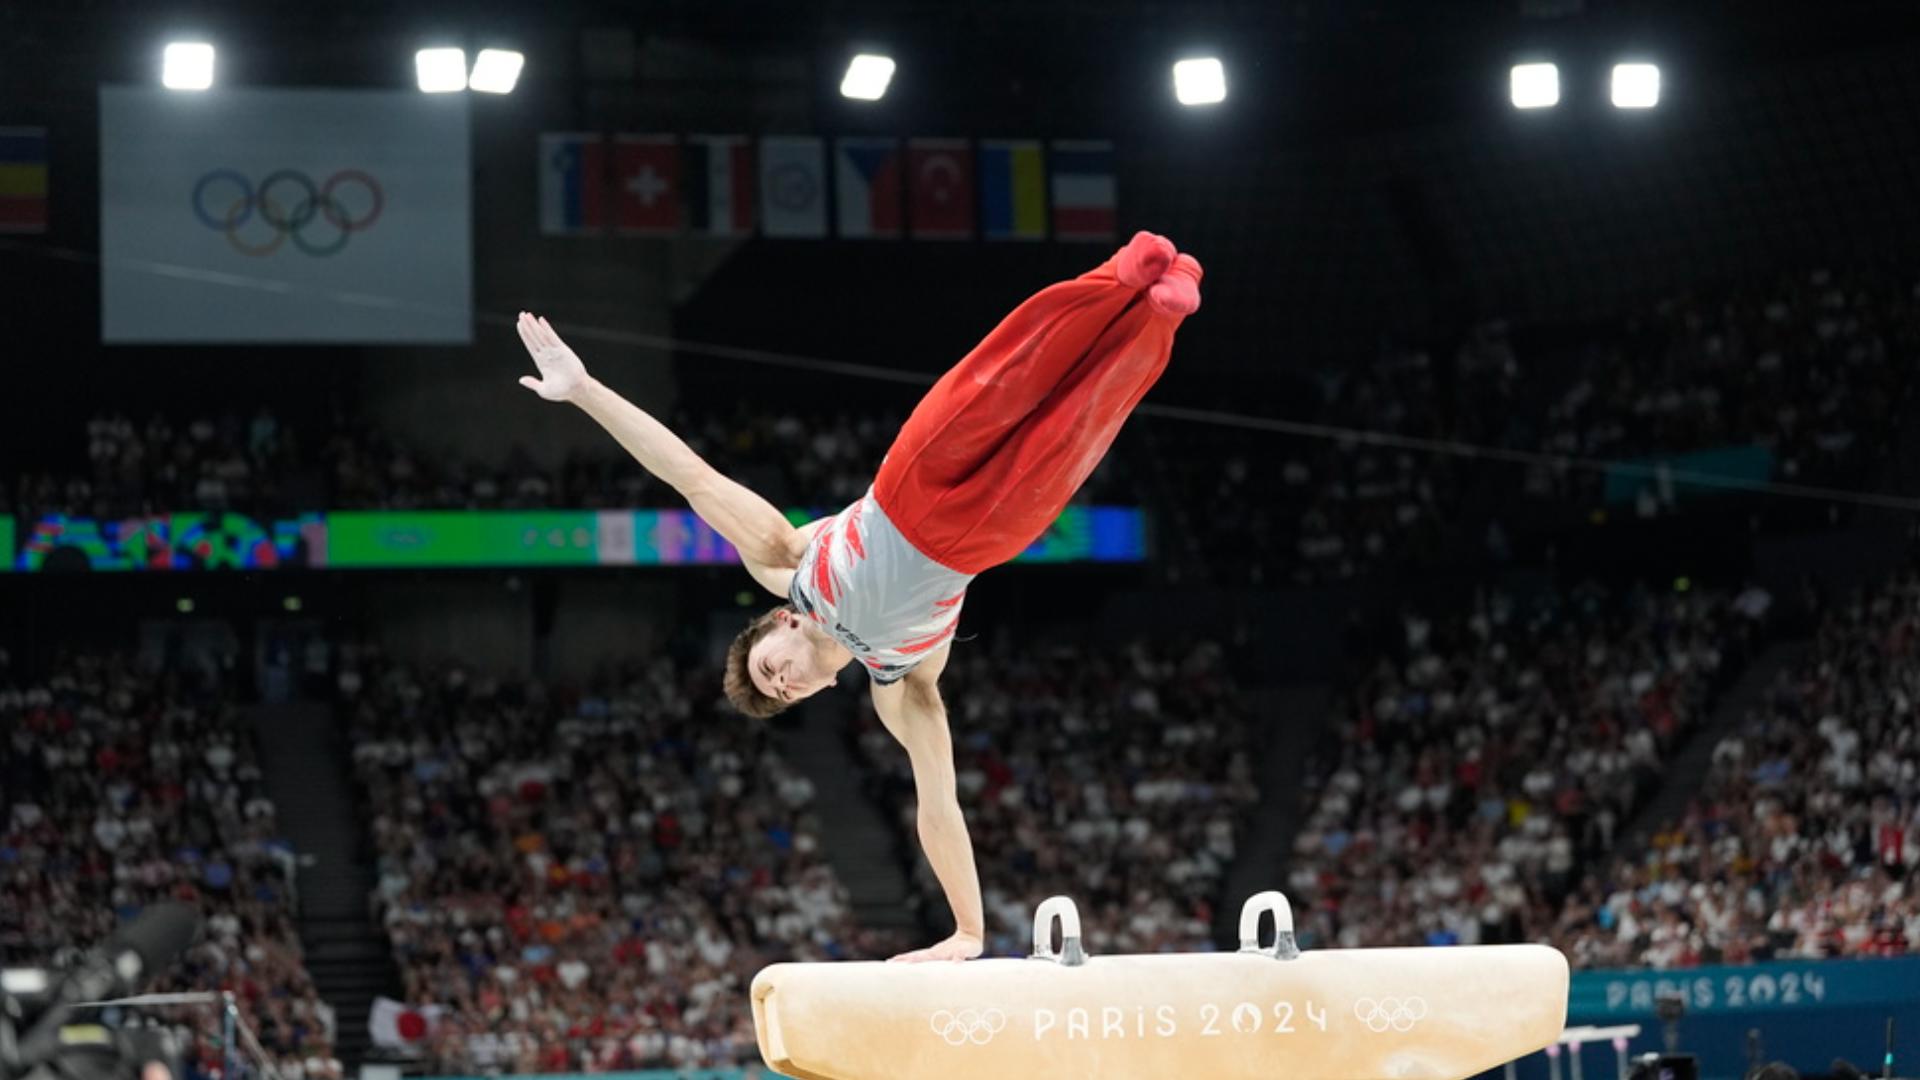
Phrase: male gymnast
[986,462]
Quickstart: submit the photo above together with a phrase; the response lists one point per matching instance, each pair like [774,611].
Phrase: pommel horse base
[1264,1012]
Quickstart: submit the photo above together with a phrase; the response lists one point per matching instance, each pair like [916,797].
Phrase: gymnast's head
[774,663]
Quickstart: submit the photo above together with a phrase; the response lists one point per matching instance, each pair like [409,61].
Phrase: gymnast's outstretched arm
[912,711]
[764,537]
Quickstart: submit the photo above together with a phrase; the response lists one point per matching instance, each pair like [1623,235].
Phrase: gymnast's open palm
[562,375]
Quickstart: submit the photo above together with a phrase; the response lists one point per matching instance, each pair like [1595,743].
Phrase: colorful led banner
[461,539]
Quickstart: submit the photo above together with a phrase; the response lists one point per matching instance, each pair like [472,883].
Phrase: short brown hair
[738,681]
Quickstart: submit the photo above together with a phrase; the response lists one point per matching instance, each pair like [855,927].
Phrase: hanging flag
[573,184]
[395,1025]
[1083,189]
[793,186]
[23,179]
[866,177]
[717,173]
[940,175]
[1013,199]
[646,184]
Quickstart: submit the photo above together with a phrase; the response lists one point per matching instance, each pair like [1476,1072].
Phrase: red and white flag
[1083,189]
[395,1025]
[940,176]
[646,184]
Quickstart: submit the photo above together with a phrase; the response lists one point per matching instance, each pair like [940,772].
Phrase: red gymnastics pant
[994,452]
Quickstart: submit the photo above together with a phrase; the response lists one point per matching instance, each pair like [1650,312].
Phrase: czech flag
[867,186]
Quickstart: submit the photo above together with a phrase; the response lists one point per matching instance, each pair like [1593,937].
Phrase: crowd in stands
[1810,368]
[1489,755]
[124,787]
[1120,777]
[1813,367]
[261,465]
[1804,841]
[1259,508]
[585,880]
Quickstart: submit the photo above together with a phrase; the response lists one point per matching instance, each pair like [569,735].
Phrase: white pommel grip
[1071,953]
[1284,946]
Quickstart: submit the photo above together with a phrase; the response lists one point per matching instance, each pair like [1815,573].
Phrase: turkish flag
[940,177]
[646,183]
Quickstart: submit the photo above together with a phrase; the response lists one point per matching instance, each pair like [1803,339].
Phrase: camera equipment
[39,1040]
[1670,1008]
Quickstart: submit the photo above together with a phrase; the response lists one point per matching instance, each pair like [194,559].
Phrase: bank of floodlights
[495,71]
[441,71]
[444,70]
[1636,86]
[867,77]
[187,65]
[1200,81]
[1534,86]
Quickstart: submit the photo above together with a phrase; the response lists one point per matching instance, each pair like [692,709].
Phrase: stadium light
[441,71]
[1636,86]
[867,77]
[187,65]
[495,71]
[1535,86]
[1200,82]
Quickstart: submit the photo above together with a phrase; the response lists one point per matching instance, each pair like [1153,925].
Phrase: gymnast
[986,462]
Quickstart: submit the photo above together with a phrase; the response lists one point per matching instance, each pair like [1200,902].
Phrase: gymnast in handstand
[988,460]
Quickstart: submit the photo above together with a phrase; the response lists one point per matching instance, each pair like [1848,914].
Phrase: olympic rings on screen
[1400,1014]
[290,203]
[976,1026]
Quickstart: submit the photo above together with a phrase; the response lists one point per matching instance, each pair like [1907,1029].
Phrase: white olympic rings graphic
[976,1026]
[1399,1014]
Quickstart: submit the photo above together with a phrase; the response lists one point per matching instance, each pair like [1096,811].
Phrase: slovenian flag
[573,184]
[1083,199]
[23,180]
[718,176]
[867,186]
[1013,199]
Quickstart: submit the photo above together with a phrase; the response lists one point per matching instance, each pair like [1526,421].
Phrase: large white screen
[284,216]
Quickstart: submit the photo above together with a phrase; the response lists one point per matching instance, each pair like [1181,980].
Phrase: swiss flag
[646,183]
[940,178]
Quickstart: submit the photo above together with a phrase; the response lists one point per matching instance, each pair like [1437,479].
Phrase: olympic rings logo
[976,1026]
[291,205]
[1400,1014]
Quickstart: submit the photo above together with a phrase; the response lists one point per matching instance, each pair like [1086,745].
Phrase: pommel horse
[1265,1011]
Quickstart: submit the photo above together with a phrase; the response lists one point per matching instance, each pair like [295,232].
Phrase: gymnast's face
[785,664]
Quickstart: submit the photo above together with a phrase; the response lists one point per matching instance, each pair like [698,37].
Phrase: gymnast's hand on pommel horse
[988,459]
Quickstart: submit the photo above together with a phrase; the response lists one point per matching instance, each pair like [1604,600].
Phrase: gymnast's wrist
[977,933]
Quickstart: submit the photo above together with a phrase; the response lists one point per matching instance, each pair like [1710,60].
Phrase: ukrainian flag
[1013,190]
[23,179]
